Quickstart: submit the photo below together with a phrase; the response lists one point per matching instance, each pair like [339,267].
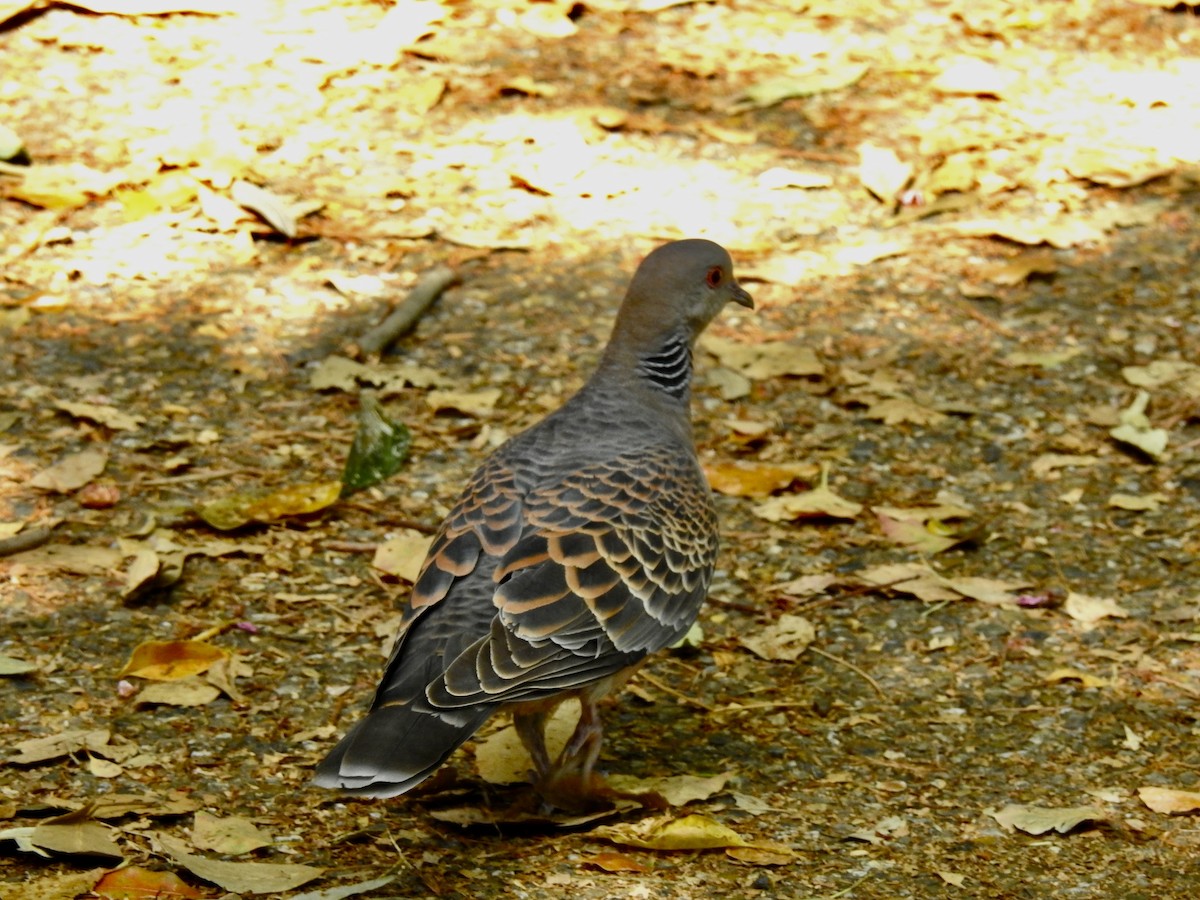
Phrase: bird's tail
[395,748]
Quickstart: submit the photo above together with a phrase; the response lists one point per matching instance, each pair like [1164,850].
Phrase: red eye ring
[714,277]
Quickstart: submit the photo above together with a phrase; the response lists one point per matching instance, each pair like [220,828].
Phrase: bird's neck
[669,368]
[662,368]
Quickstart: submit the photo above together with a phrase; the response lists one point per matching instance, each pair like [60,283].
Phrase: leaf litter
[1045,179]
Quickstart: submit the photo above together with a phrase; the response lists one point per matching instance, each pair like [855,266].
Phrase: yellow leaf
[1167,800]
[403,555]
[746,478]
[693,832]
[1085,678]
[171,660]
[819,502]
[296,500]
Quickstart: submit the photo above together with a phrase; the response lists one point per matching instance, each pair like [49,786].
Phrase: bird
[578,548]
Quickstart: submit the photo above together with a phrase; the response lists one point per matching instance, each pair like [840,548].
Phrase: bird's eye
[714,276]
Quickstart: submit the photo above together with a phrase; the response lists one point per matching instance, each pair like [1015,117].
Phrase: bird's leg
[531,728]
[583,749]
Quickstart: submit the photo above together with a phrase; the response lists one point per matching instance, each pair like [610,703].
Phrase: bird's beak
[742,297]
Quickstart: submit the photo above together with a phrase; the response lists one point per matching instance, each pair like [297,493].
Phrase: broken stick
[402,319]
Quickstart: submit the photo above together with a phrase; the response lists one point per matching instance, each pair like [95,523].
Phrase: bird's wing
[612,562]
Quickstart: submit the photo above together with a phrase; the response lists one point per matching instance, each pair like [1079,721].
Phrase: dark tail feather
[394,749]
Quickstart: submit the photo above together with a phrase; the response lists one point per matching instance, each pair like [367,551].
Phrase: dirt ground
[958,437]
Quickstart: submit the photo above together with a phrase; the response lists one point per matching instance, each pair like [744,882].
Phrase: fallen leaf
[1014,271]
[229,836]
[403,554]
[748,478]
[818,503]
[37,750]
[471,403]
[800,83]
[1048,462]
[239,877]
[108,416]
[188,692]
[677,790]
[1061,232]
[694,832]
[1116,165]
[897,410]
[171,660]
[1086,609]
[138,883]
[1039,820]
[778,178]
[767,359]
[952,878]
[882,172]
[1164,372]
[785,639]
[1085,678]
[1042,359]
[1138,503]
[237,510]
[916,535]
[986,590]
[1169,801]
[1135,428]
[616,862]
[273,210]
[10,665]
[973,76]
[72,471]
[346,890]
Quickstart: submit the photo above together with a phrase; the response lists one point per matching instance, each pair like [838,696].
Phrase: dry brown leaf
[101,414]
[1087,609]
[616,862]
[677,790]
[72,471]
[1039,820]
[237,510]
[785,639]
[973,76]
[1138,503]
[897,410]
[471,403]
[403,554]
[37,750]
[768,359]
[188,692]
[239,877]
[1169,801]
[138,883]
[1048,462]
[882,172]
[1042,359]
[171,660]
[748,478]
[694,832]
[818,503]
[229,836]
[1087,679]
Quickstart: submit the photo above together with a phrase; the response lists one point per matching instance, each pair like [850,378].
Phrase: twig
[852,667]
[206,475]
[26,540]
[643,675]
[405,316]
